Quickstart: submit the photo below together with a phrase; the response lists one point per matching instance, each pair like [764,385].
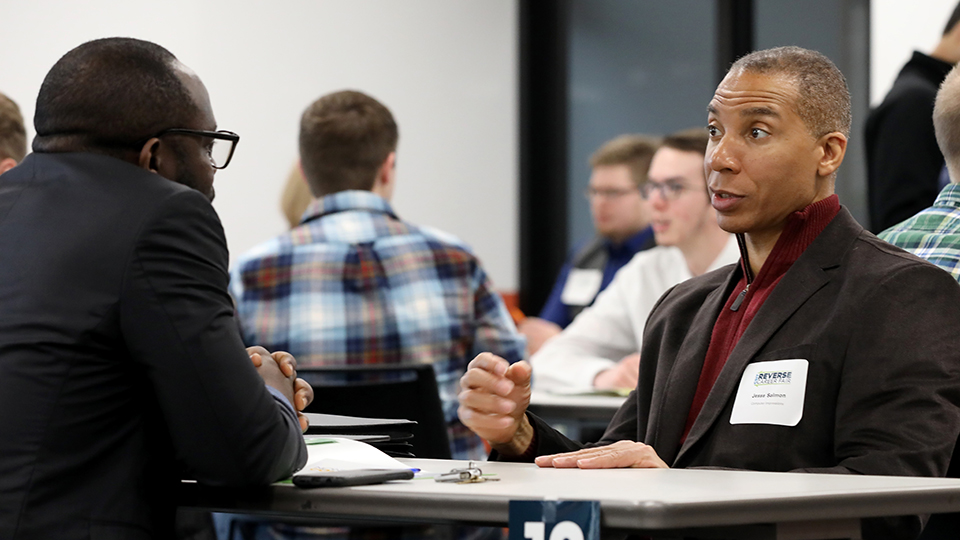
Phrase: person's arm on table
[621,454]
[494,396]
[302,391]
[623,375]
[178,323]
[596,341]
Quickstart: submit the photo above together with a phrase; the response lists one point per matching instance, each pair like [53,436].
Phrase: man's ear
[388,171]
[6,164]
[834,147]
[150,155]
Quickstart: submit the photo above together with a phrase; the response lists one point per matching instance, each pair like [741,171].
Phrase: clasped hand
[282,366]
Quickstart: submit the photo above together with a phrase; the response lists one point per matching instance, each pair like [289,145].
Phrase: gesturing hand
[493,398]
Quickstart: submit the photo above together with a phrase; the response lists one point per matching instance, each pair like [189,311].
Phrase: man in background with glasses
[122,370]
[600,349]
[622,222]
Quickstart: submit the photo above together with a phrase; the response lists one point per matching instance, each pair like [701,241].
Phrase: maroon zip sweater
[801,229]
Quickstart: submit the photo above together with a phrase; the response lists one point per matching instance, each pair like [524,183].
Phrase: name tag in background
[771,393]
[581,287]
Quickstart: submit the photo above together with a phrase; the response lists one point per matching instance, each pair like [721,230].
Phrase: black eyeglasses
[670,191]
[609,194]
[221,148]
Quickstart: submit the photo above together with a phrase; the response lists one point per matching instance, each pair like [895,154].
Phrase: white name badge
[771,393]
[582,286]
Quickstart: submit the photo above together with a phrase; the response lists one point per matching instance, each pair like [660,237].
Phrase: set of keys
[471,474]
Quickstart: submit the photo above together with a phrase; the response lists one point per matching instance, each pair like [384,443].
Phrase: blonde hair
[634,151]
[946,121]
[296,196]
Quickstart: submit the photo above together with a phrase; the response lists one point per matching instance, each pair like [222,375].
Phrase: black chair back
[384,391]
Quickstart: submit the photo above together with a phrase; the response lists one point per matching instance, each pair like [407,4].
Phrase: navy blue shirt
[619,254]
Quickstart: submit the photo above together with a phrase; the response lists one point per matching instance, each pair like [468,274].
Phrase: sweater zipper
[746,272]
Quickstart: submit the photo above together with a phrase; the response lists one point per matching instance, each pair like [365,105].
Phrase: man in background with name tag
[622,221]
[854,340]
[600,350]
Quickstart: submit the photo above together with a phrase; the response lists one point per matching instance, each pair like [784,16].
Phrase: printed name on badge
[771,393]
[581,287]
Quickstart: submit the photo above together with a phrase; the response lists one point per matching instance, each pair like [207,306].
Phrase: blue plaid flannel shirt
[933,233]
[353,284]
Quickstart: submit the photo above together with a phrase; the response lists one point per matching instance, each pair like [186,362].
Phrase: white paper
[346,455]
[581,287]
[771,393]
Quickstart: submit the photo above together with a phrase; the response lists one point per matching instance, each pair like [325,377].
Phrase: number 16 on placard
[554,520]
[565,530]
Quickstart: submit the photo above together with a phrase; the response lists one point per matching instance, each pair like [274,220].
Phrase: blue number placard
[554,520]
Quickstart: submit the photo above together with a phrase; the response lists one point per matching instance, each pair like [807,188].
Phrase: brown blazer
[881,331]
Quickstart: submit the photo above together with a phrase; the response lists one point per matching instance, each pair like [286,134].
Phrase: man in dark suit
[824,350]
[121,365]
[904,164]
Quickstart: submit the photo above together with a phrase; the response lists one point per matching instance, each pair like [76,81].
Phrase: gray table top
[638,499]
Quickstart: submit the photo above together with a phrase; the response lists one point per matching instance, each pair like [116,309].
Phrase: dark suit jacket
[903,158]
[881,331]
[121,366]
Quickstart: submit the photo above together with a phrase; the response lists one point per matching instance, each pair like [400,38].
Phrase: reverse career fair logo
[767,378]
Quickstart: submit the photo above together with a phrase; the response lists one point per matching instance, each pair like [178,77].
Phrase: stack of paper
[339,454]
[392,436]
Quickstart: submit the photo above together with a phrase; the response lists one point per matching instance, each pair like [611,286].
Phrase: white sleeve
[603,333]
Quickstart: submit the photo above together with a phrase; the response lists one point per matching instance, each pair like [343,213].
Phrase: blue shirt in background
[556,311]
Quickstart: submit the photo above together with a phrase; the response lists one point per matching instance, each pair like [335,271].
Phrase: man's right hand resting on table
[494,396]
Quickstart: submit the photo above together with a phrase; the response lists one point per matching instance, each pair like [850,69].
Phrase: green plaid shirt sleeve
[934,233]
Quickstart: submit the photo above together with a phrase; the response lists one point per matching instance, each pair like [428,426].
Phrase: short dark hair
[688,140]
[954,19]
[110,93]
[634,151]
[13,134]
[823,99]
[344,138]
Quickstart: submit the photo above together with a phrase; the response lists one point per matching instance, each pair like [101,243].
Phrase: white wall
[447,70]
[897,28]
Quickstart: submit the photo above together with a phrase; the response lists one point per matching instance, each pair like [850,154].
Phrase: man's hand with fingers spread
[621,454]
[494,396]
[302,391]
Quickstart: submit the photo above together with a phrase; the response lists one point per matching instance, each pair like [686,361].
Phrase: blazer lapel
[669,417]
[801,281]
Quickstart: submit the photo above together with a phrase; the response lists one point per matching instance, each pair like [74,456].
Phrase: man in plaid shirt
[934,233]
[353,284]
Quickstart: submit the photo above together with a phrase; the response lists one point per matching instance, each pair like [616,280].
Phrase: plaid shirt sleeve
[495,331]
[934,233]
